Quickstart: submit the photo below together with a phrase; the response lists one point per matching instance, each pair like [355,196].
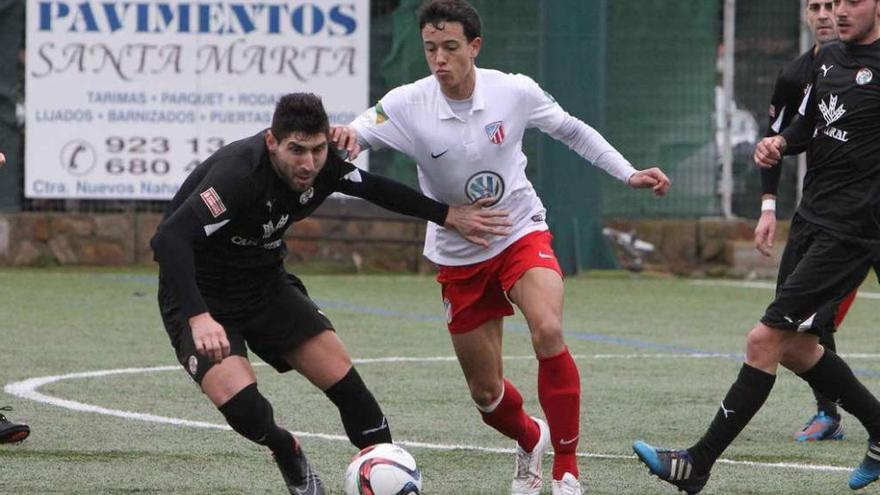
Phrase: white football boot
[568,485]
[527,477]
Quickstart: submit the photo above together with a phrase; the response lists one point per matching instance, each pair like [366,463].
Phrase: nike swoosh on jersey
[439,154]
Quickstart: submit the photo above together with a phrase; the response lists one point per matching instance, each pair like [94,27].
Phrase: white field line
[28,389]
[742,284]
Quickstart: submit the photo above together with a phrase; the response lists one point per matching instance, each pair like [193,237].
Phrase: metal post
[726,185]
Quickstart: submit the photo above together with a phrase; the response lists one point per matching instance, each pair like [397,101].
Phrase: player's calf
[362,418]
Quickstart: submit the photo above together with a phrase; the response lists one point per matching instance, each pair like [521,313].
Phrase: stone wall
[347,234]
[354,235]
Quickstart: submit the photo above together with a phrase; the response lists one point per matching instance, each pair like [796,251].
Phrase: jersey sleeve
[544,112]
[387,193]
[224,191]
[384,125]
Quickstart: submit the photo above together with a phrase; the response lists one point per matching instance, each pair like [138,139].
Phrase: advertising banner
[124,99]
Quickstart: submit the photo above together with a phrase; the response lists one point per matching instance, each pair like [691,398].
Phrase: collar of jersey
[444,111]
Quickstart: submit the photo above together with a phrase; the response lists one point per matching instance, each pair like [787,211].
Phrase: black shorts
[816,273]
[288,318]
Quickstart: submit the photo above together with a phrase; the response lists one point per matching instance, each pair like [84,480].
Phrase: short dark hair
[439,12]
[299,112]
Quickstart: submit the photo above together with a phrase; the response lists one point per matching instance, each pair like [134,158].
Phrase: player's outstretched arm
[2,159]
[652,178]
[474,221]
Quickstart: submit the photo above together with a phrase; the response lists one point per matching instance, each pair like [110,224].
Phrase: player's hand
[345,138]
[475,221]
[653,178]
[2,159]
[769,150]
[765,231]
[209,337]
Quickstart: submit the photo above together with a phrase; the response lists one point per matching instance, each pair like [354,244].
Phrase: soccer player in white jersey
[464,127]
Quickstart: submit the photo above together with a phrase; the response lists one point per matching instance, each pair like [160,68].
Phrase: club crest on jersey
[213,202]
[306,196]
[495,131]
[485,184]
[270,228]
[864,76]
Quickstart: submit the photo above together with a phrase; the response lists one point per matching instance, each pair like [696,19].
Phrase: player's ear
[271,142]
[475,45]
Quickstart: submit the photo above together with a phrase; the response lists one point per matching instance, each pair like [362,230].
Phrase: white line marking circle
[28,389]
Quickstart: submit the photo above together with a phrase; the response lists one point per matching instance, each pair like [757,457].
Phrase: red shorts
[475,294]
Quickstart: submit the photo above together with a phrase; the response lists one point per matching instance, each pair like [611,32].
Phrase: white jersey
[462,160]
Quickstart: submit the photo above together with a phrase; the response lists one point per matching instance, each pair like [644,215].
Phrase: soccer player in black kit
[791,85]
[223,287]
[835,238]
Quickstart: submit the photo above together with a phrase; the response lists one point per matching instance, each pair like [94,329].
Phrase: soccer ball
[383,469]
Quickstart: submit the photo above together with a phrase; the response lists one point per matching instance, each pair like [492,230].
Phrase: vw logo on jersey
[864,76]
[485,184]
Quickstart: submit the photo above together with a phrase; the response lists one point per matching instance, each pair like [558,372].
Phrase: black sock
[833,378]
[824,404]
[364,422]
[745,397]
[251,416]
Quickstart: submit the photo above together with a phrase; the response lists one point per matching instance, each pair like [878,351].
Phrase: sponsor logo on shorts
[448,307]
[213,202]
[542,254]
[192,365]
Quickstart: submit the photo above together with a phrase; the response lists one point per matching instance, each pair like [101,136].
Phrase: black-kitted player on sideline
[223,287]
[835,240]
[791,85]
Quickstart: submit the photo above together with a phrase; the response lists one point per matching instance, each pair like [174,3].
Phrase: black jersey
[243,209]
[788,93]
[842,184]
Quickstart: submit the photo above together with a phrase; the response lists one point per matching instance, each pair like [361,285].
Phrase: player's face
[298,158]
[857,20]
[451,57]
[820,19]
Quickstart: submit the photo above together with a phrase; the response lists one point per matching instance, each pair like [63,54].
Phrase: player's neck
[463,90]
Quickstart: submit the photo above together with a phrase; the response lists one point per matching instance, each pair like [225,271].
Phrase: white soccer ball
[383,469]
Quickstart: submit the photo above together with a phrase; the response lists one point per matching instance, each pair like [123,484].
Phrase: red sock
[511,419]
[559,390]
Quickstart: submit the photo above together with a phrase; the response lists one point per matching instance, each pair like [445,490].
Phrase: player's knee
[485,393]
[763,345]
[546,332]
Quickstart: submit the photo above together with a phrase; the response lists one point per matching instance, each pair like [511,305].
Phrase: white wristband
[768,205]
